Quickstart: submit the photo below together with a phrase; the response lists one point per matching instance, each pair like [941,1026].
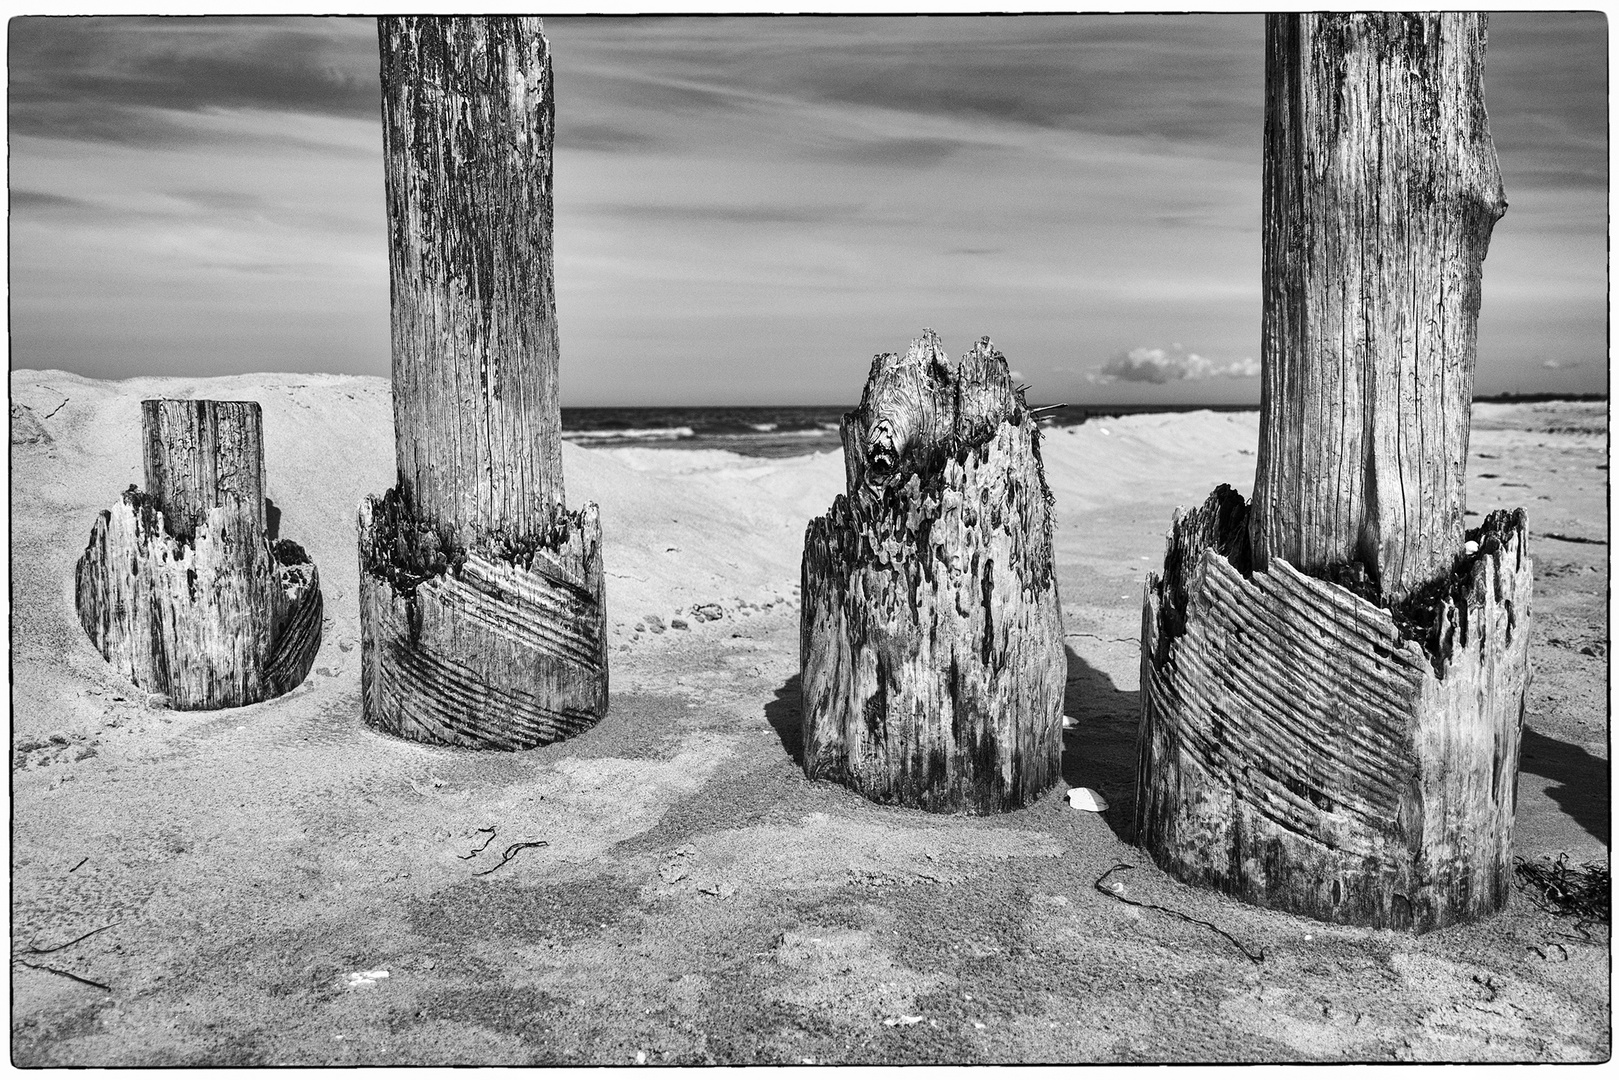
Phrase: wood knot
[882,447]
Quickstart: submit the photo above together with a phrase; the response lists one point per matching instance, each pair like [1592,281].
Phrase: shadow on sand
[786,715]
[1100,751]
[1580,781]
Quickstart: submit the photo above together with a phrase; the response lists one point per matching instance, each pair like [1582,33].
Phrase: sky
[747,209]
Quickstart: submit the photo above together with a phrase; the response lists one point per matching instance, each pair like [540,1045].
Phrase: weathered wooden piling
[481,596]
[181,589]
[1333,679]
[931,641]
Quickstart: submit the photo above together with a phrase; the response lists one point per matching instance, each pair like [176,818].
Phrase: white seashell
[363,980]
[1083,798]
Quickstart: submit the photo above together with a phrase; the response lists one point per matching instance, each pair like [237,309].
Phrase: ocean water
[771,430]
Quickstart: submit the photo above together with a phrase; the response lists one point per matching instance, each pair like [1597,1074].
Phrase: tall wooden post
[1380,191]
[1333,679]
[180,588]
[931,636]
[481,596]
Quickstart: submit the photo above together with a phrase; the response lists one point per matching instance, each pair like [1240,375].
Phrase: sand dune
[698,900]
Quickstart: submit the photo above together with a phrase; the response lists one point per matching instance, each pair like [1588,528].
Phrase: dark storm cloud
[99,78]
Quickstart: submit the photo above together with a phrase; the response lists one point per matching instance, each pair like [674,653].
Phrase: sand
[699,900]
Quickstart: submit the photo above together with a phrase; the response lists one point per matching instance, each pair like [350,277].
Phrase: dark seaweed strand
[1255,957]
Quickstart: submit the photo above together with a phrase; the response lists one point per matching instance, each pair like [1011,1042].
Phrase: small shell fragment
[361,980]
[1083,798]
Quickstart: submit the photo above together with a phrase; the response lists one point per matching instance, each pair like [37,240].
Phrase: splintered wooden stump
[180,588]
[931,640]
[482,613]
[1308,749]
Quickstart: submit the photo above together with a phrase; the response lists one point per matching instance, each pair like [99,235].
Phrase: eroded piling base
[1306,749]
[200,620]
[491,652]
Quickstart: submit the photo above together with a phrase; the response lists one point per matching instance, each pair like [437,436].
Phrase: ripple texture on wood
[213,621]
[1306,749]
[490,652]
[932,658]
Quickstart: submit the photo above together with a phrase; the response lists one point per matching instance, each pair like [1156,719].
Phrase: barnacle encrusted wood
[481,595]
[1334,678]
[180,587]
[931,641]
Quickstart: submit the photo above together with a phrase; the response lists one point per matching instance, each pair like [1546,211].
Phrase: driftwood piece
[1380,192]
[1306,748]
[483,621]
[931,646]
[1333,680]
[181,590]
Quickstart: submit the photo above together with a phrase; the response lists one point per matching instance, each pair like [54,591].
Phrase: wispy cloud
[24,201]
[111,78]
[733,214]
[1548,118]
[748,208]
[1158,366]
[1560,364]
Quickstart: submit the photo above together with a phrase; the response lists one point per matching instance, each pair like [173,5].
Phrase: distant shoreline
[775,431]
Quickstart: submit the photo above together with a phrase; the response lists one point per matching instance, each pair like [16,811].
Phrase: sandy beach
[698,900]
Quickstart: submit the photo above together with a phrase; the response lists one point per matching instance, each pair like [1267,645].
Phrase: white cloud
[1167,365]
[1556,364]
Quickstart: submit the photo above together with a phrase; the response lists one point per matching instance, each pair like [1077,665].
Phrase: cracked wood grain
[933,667]
[1381,188]
[483,621]
[468,120]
